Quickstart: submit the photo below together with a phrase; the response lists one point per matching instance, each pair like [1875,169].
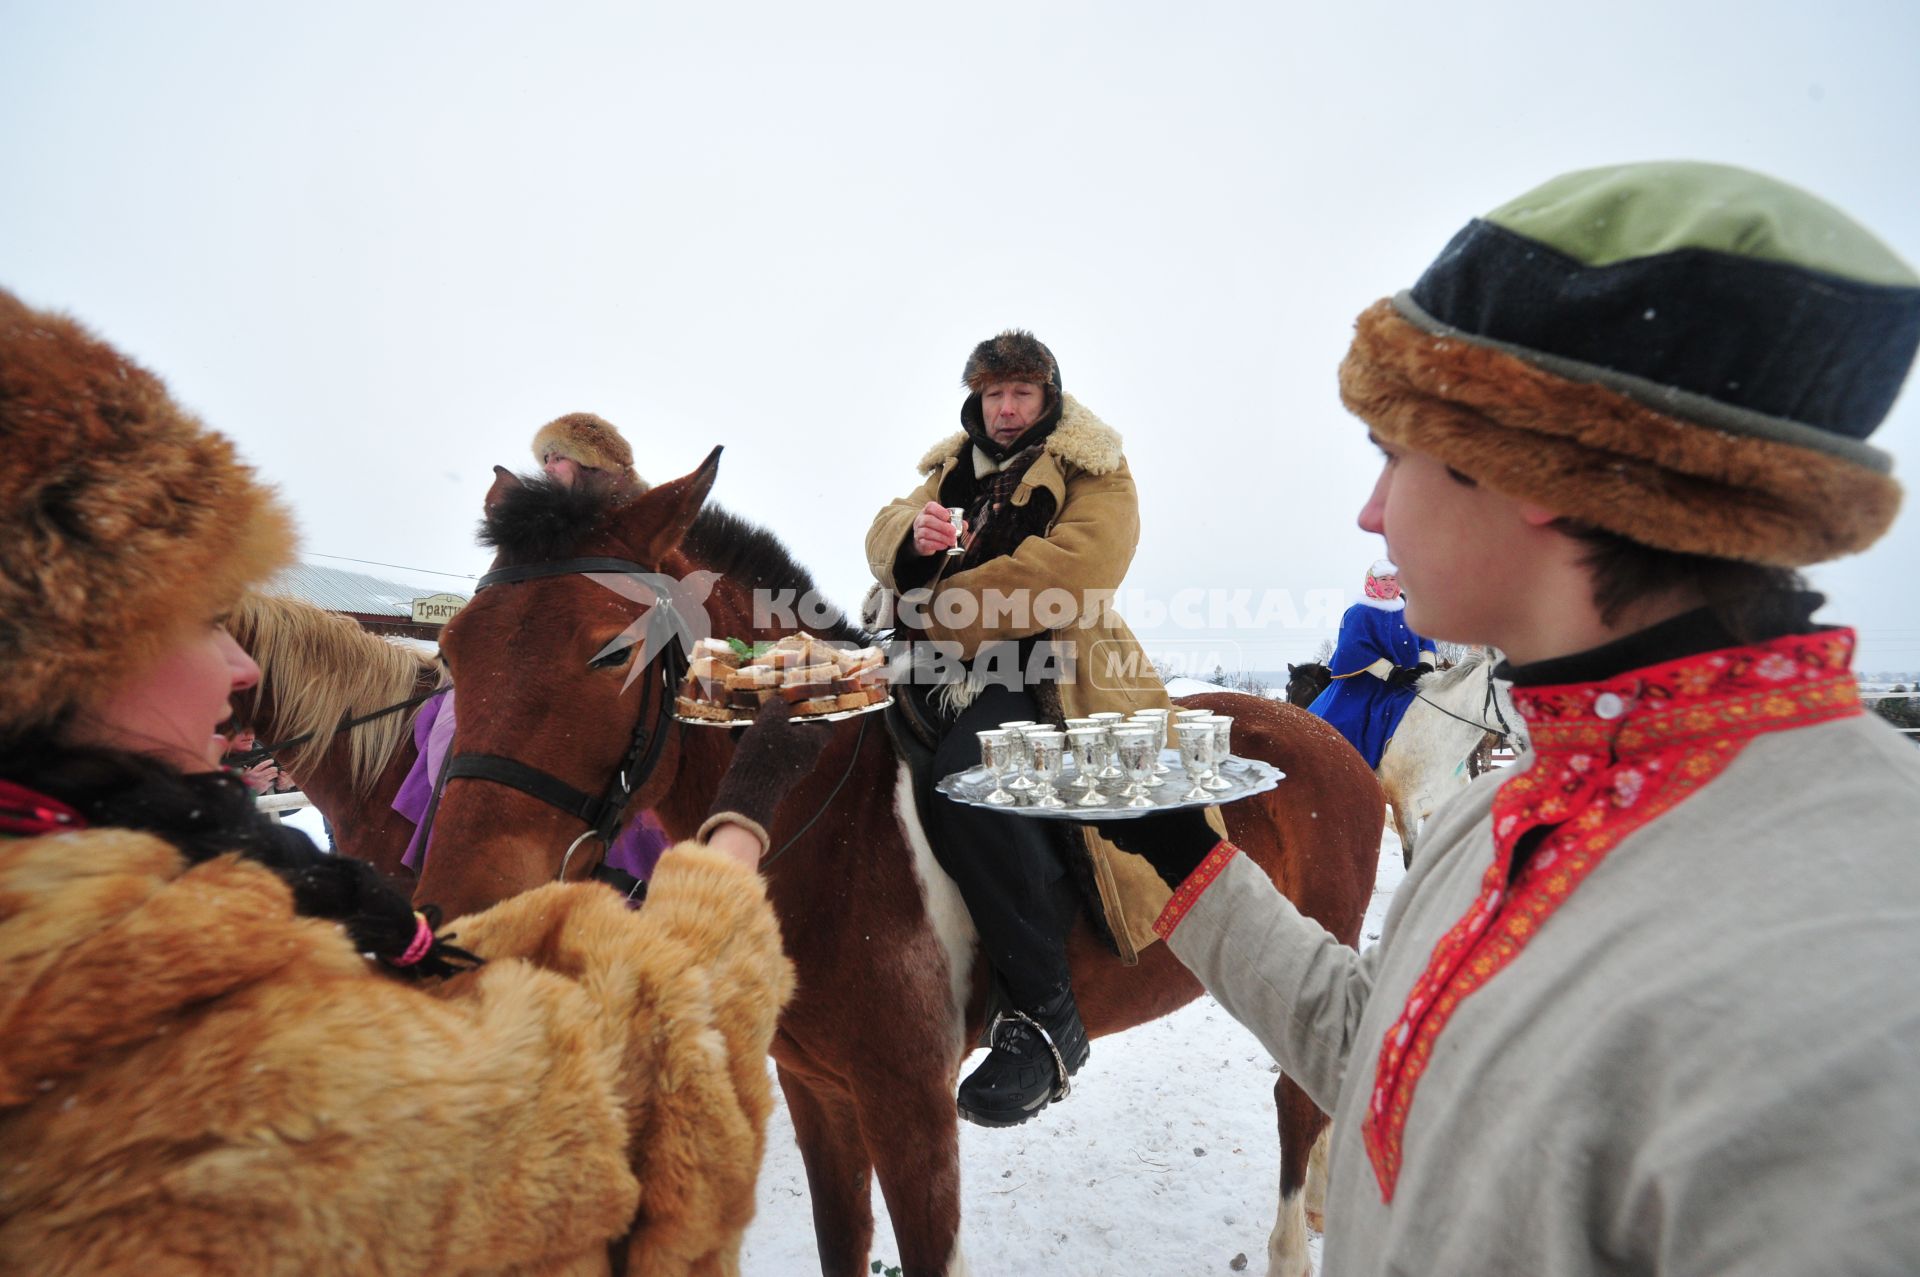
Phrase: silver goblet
[1048,749]
[1222,750]
[1089,748]
[1196,755]
[1110,719]
[1138,752]
[996,755]
[1016,729]
[1157,718]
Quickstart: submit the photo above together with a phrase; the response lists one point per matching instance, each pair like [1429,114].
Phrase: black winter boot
[1034,1053]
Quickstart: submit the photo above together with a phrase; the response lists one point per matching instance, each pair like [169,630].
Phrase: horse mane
[544,519]
[1470,664]
[756,559]
[324,669]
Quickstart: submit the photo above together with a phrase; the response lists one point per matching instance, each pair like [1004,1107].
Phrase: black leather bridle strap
[558,567]
[528,780]
[601,815]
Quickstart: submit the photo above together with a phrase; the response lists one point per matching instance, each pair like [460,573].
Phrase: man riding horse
[1014,621]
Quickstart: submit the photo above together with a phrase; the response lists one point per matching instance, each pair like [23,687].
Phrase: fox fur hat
[1688,355]
[593,443]
[1014,355]
[124,522]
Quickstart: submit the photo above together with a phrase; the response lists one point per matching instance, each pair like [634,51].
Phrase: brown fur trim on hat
[1595,455]
[1015,355]
[126,522]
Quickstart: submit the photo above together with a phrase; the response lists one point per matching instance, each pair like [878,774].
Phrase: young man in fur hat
[1647,1003]
[1019,627]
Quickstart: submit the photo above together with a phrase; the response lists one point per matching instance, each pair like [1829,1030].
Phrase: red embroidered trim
[1187,894]
[24,812]
[1609,758]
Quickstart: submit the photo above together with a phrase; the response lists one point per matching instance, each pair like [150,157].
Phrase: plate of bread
[728,680]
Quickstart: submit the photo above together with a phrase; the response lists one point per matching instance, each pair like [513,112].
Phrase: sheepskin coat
[193,1079]
[1085,550]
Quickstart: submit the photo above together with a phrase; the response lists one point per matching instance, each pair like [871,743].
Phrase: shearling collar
[1081,440]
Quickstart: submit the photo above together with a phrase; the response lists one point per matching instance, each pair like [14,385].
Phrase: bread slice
[818,705]
[749,676]
[719,651]
[794,693]
[823,673]
[700,709]
[751,698]
[852,700]
[860,659]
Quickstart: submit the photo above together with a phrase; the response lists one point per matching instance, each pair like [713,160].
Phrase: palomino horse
[339,703]
[890,996]
[1453,713]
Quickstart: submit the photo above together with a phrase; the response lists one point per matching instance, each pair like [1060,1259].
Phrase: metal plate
[1248,776]
[835,717]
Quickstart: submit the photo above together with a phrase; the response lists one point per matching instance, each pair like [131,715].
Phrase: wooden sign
[436,609]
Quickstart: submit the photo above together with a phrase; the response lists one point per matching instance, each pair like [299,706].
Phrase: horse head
[566,660]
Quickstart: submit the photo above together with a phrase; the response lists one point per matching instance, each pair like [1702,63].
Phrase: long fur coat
[193,1079]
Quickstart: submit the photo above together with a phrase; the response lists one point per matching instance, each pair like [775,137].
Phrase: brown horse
[318,673]
[890,995]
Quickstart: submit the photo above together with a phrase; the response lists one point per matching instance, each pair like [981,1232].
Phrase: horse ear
[660,517]
[504,481]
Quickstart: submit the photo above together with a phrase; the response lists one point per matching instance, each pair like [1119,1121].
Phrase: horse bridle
[263,753]
[601,813]
[1489,706]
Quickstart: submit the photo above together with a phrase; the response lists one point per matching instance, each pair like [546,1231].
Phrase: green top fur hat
[1689,355]
[124,522]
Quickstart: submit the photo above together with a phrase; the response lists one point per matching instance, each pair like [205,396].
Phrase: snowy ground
[1163,1160]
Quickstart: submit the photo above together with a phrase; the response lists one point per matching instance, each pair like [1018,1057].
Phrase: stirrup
[1059,1064]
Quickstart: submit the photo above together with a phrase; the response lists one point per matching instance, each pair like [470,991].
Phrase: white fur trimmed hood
[1081,440]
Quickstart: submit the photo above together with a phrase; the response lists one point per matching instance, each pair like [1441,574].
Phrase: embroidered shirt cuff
[1187,894]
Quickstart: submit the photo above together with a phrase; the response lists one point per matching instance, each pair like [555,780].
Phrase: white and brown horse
[890,995]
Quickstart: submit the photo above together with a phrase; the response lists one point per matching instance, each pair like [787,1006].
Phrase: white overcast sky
[380,244]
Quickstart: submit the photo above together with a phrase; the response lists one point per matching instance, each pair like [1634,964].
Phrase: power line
[461,576]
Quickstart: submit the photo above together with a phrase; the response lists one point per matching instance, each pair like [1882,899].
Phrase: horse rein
[263,753]
[1492,704]
[601,814]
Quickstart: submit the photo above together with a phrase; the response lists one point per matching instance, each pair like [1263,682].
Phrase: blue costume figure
[1375,665]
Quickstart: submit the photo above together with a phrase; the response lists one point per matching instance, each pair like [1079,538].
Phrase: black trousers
[1007,867]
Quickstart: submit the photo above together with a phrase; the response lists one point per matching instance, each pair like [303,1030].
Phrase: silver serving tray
[1248,776]
[834,717]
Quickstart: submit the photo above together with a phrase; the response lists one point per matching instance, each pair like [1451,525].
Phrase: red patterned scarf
[25,812]
[1608,758]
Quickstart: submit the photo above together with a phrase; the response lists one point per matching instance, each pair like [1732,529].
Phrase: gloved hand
[1405,675]
[772,757]
[1173,842]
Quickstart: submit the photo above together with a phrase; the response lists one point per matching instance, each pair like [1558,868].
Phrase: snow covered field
[1164,1160]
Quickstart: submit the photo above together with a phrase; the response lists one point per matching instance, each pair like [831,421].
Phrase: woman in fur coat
[224,1051]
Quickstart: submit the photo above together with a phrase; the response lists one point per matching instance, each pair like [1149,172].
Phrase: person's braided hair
[212,814]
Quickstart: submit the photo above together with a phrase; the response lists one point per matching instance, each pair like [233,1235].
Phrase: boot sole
[997,1122]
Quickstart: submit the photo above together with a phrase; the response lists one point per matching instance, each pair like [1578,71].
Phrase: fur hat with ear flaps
[1688,355]
[125,523]
[592,442]
[1014,355]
